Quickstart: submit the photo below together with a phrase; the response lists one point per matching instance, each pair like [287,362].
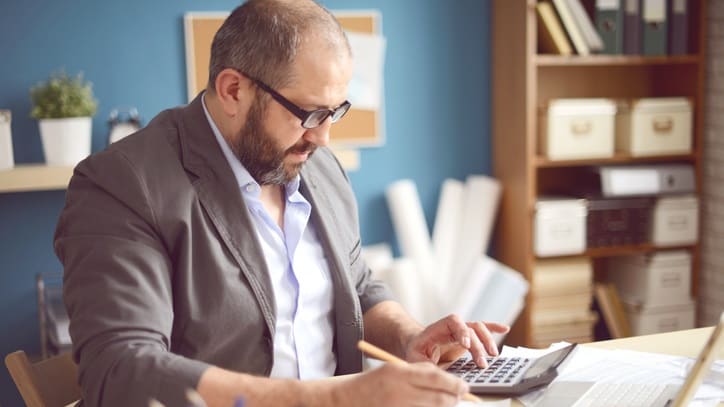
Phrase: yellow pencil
[383,355]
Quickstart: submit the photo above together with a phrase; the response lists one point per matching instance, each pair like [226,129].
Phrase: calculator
[513,375]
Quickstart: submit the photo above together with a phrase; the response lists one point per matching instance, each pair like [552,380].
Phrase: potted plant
[64,106]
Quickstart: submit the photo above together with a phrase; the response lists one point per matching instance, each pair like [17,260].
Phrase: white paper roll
[480,207]
[378,258]
[408,220]
[404,282]
[446,232]
[413,237]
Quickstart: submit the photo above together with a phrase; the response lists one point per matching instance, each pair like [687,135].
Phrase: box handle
[662,124]
[678,222]
[581,127]
[668,324]
[671,279]
[561,230]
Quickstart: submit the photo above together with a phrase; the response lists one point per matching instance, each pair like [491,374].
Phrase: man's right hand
[417,384]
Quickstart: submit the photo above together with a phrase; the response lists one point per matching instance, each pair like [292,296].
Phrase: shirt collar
[246,182]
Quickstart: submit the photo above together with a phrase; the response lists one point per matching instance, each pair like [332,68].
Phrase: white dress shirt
[299,273]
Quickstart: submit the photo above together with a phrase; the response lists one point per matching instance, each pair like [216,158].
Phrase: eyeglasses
[309,119]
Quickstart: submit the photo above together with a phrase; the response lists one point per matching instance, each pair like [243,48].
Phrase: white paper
[502,297]
[497,403]
[466,299]
[624,366]
[368,54]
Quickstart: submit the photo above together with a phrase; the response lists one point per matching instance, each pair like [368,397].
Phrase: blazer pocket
[356,252]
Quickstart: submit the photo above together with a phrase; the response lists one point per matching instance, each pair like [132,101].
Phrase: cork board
[359,127]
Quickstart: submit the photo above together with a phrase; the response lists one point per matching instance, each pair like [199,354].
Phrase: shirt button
[250,188]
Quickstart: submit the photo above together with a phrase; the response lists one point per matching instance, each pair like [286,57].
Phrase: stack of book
[561,292]
[564,27]
[635,27]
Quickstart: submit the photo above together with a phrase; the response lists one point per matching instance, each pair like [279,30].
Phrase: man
[220,246]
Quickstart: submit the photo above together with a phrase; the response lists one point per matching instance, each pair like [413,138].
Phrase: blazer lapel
[219,194]
[348,314]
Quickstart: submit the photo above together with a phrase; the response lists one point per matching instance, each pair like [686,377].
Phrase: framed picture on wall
[363,126]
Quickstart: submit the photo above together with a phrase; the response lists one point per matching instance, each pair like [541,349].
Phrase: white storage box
[652,320]
[577,129]
[560,227]
[654,126]
[662,278]
[676,221]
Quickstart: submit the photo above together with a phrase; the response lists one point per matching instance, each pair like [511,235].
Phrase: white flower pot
[65,141]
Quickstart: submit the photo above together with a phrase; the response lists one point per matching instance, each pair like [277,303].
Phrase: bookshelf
[523,81]
[34,177]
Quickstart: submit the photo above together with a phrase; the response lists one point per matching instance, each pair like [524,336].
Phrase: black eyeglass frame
[310,119]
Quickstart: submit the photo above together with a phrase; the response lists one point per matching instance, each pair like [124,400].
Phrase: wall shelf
[34,177]
[614,60]
[614,251]
[619,158]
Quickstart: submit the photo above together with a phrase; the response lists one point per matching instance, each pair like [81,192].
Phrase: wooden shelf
[34,177]
[619,158]
[614,251]
[614,60]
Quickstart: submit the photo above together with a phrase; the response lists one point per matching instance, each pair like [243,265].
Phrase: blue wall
[437,77]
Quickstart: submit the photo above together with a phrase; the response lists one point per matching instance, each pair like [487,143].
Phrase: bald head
[263,38]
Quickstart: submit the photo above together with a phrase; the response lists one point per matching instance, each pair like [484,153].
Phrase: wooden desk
[679,343]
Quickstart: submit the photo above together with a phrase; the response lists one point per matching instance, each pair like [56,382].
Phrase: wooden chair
[49,383]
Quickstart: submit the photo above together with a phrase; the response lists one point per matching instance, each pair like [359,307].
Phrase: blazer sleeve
[369,290]
[118,289]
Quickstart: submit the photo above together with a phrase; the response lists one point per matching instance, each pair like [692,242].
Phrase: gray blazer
[164,274]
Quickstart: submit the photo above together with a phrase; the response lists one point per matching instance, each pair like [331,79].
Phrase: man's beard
[259,154]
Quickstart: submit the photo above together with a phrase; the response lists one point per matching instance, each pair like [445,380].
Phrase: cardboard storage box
[577,129]
[618,221]
[647,320]
[654,126]
[676,221]
[661,278]
[559,227]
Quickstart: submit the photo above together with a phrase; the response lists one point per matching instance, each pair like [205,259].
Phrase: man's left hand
[450,337]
